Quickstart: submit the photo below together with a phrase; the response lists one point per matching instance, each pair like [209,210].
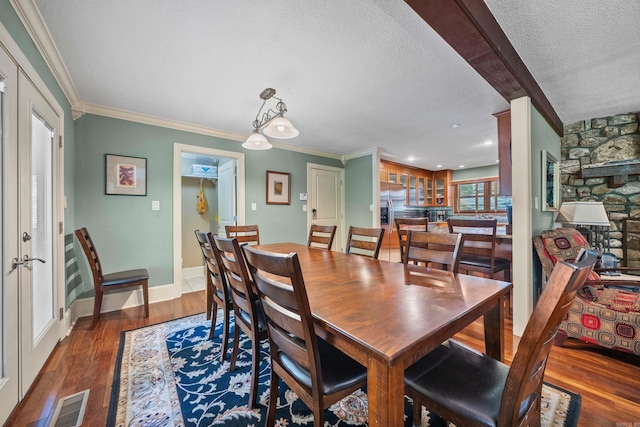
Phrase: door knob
[26,237]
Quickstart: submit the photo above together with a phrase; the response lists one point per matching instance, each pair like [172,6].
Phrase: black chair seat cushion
[462,379]
[339,371]
[221,296]
[262,322]
[124,277]
[484,262]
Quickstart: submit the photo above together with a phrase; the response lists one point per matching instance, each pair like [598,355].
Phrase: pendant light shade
[270,122]
[257,141]
[280,128]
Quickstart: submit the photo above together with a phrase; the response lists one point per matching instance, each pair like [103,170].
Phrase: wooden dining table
[387,317]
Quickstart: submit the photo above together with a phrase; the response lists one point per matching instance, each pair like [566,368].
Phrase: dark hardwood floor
[608,381]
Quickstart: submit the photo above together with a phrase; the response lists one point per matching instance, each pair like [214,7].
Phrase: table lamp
[590,214]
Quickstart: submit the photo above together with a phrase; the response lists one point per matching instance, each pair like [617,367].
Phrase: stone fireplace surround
[600,140]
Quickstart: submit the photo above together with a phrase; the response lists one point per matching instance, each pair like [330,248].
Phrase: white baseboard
[114,301]
[190,272]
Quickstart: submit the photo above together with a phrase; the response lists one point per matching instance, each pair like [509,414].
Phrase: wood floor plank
[608,381]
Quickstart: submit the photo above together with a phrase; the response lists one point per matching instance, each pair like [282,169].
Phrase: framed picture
[550,182]
[125,175]
[278,188]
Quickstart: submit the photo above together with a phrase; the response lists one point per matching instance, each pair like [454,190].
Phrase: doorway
[192,278]
[326,200]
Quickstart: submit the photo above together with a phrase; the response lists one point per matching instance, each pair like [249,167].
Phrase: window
[481,195]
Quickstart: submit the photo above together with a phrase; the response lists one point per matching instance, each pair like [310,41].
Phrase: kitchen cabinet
[423,187]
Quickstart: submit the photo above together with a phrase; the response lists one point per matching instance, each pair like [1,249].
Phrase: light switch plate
[254,207]
[155,205]
[303,196]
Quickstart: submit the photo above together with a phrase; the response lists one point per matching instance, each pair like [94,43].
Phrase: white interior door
[9,356]
[227,209]
[38,157]
[326,200]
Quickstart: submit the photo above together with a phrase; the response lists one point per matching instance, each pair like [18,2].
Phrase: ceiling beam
[470,28]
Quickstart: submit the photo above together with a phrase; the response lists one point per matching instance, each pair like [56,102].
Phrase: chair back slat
[366,241]
[91,253]
[240,283]
[403,225]
[439,248]
[321,236]
[249,234]
[213,263]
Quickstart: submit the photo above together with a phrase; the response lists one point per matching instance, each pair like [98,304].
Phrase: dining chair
[247,309]
[103,283]
[479,249]
[316,371]
[434,249]
[468,388]
[405,224]
[365,241]
[218,294]
[321,236]
[244,233]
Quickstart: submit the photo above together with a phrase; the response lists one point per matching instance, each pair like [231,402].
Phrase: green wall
[359,192]
[475,173]
[129,234]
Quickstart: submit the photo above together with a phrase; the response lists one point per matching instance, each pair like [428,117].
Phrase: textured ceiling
[354,74]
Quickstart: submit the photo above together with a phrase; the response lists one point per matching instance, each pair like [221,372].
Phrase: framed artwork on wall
[550,182]
[125,175]
[278,188]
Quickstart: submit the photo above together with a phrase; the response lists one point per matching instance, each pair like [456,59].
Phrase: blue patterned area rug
[170,374]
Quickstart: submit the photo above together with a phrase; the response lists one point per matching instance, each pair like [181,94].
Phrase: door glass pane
[41,224]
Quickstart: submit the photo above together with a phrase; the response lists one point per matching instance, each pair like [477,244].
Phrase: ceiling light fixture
[455,125]
[271,123]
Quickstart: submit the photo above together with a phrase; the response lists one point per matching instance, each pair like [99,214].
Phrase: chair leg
[214,309]
[225,333]
[210,302]
[234,352]
[273,398]
[97,305]
[318,414]
[417,412]
[145,293]
[255,371]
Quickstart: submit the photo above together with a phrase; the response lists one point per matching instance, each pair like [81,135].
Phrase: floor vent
[70,410]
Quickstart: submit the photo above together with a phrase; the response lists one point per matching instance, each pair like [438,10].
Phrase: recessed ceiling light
[498,161]
[455,125]
[411,158]
[488,142]
[438,166]
[461,166]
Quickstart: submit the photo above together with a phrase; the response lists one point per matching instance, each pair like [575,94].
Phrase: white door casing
[325,188]
[9,376]
[39,217]
[227,209]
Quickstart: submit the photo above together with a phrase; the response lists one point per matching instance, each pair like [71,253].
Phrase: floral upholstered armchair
[606,310]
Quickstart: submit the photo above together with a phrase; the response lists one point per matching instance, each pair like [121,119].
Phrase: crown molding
[32,20]
[114,113]
[366,152]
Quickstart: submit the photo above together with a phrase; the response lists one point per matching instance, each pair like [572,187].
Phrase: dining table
[387,316]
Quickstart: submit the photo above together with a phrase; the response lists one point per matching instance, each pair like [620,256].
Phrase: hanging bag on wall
[202,200]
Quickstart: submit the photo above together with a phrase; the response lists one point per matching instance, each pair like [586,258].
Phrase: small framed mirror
[550,182]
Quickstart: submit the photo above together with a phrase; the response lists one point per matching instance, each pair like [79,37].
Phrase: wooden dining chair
[434,249]
[468,388]
[479,249]
[247,309]
[103,283]
[317,372]
[244,233]
[365,241]
[218,293]
[321,236]
[403,225]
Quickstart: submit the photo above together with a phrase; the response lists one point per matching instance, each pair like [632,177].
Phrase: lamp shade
[280,128]
[583,213]
[257,141]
